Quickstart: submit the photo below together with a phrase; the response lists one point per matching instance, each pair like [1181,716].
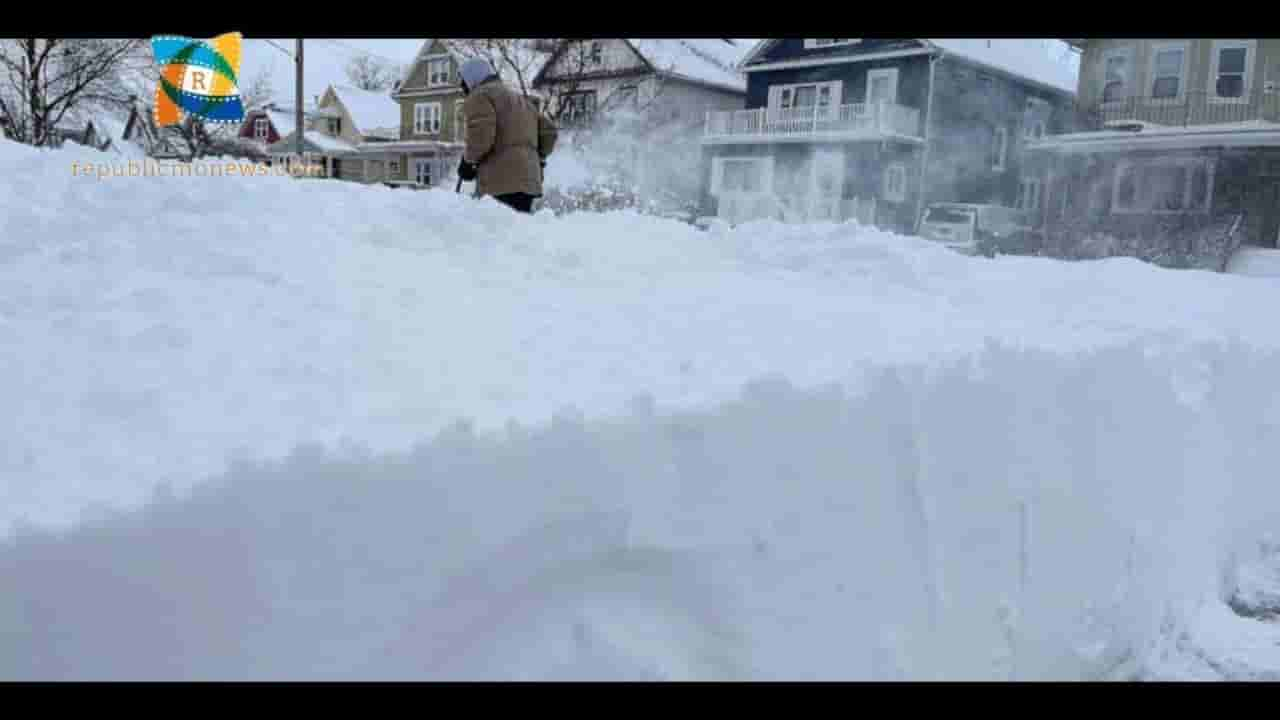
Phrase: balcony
[862,121]
[1191,108]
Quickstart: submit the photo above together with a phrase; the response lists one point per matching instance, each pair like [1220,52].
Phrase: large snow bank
[975,468]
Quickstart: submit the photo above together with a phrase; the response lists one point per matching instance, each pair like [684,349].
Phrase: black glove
[466,170]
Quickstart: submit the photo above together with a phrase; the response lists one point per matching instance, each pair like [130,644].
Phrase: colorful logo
[198,78]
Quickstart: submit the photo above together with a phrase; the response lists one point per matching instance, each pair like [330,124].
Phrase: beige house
[347,131]
[429,140]
[1171,137]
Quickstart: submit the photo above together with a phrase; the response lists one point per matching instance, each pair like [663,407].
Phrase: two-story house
[874,129]
[345,132]
[1169,135]
[649,96]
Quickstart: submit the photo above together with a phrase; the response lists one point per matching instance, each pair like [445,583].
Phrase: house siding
[1265,67]
[913,80]
[794,49]
[969,104]
[616,57]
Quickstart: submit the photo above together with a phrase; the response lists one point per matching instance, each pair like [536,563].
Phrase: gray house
[873,129]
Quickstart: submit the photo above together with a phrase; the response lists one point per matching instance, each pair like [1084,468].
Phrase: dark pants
[520,202]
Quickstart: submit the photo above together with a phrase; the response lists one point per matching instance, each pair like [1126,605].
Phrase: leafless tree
[196,138]
[370,73]
[44,79]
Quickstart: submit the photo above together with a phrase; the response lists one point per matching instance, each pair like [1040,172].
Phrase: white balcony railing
[839,121]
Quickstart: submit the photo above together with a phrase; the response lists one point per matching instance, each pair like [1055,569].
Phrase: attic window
[260,128]
[815,44]
[438,72]
[596,54]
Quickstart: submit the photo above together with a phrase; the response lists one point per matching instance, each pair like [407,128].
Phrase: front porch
[1176,197]
[869,183]
[415,164]
[860,121]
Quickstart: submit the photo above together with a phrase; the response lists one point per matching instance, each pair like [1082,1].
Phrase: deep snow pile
[1008,468]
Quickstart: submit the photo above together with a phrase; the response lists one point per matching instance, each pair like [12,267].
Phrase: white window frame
[895,192]
[892,74]
[1001,135]
[432,61]
[834,90]
[1129,53]
[424,162]
[1190,163]
[459,122]
[261,130]
[1030,193]
[1250,59]
[821,43]
[595,53]
[426,118]
[1183,72]
[764,162]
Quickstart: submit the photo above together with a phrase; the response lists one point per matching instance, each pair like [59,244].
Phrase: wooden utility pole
[301,128]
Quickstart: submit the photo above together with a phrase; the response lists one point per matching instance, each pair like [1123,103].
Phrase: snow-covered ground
[264,428]
[1255,262]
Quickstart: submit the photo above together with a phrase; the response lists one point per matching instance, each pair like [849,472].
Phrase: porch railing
[1192,107]
[872,119]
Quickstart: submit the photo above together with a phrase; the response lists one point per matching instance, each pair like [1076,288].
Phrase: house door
[826,185]
[882,86]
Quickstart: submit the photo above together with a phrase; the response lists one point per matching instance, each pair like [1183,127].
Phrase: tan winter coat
[506,139]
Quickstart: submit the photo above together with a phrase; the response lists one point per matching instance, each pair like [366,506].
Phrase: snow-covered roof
[702,60]
[371,111]
[318,140]
[284,122]
[1253,133]
[1032,59]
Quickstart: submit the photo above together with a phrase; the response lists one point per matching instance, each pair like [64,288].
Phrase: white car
[973,228]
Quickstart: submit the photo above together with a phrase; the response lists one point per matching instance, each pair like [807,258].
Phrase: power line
[274,45]
[360,51]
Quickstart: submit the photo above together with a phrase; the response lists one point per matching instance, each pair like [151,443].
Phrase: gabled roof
[373,112]
[1027,59]
[711,62]
[417,60]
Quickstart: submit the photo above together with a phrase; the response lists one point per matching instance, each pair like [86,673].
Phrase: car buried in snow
[976,229]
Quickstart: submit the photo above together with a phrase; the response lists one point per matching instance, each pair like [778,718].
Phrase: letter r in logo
[197,80]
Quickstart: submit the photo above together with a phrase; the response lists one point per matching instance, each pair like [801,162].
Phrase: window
[1117,70]
[260,128]
[1231,73]
[422,170]
[895,182]
[393,167]
[426,118]
[814,44]
[741,174]
[579,107]
[438,72]
[1168,68]
[335,126]
[999,146]
[1167,185]
[1029,194]
[595,54]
